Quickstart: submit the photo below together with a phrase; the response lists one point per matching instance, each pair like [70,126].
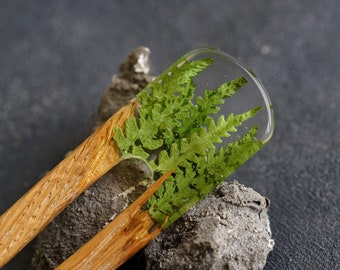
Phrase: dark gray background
[57,57]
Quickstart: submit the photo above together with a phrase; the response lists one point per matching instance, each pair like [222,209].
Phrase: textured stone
[229,229]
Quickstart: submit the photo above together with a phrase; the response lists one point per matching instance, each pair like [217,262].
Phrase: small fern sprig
[196,146]
[189,184]
[175,130]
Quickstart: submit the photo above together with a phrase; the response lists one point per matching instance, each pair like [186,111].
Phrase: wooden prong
[128,233]
[81,168]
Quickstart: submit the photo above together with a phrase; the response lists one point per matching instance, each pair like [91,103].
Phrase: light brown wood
[121,239]
[81,168]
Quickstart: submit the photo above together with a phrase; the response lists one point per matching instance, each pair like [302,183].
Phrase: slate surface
[57,57]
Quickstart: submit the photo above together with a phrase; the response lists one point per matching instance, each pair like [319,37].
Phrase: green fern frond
[191,183]
[175,130]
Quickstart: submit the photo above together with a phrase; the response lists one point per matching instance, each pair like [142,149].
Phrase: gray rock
[229,229]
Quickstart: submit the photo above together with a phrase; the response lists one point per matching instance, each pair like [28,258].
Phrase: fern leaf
[176,131]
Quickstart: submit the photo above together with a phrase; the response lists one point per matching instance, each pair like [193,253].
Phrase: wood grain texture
[128,233]
[81,168]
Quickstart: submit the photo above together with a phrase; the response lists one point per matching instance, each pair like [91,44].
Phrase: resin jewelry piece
[194,125]
[181,125]
[182,138]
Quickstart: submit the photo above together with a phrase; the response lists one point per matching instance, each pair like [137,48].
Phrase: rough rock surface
[229,229]
[134,77]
